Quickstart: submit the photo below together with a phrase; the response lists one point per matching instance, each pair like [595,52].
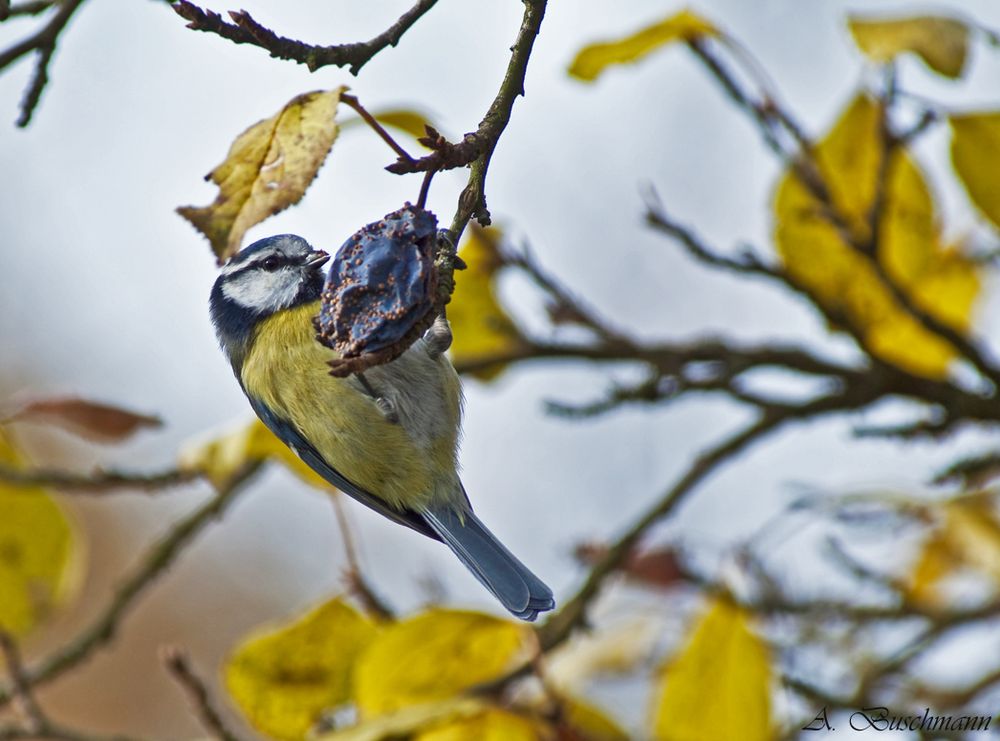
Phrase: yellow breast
[286,369]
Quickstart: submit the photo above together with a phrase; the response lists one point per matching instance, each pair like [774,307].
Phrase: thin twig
[98,482]
[472,202]
[30,7]
[378,128]
[43,42]
[21,689]
[573,612]
[245,30]
[356,580]
[177,664]
[154,563]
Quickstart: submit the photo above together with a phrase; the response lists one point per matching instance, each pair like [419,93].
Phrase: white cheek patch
[263,292]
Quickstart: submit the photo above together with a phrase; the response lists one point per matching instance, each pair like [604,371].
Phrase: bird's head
[269,276]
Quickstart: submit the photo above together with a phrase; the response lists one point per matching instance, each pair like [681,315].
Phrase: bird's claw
[387,408]
[438,337]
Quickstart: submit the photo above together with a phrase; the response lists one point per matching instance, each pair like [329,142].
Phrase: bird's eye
[270,264]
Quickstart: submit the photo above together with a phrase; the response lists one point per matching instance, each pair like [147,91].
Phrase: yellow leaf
[224,456]
[593,59]
[975,153]
[967,536]
[491,725]
[36,552]
[268,169]
[434,656]
[588,723]
[973,532]
[284,679]
[405,721]
[481,328]
[937,559]
[718,686]
[942,42]
[940,280]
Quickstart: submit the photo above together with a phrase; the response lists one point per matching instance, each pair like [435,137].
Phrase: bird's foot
[438,337]
[383,403]
[388,409]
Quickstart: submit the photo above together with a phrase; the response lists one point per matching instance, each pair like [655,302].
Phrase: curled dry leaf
[89,419]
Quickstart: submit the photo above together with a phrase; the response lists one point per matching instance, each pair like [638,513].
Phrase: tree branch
[98,482]
[472,202]
[177,664]
[44,42]
[245,30]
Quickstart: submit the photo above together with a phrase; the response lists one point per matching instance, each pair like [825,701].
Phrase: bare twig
[177,664]
[156,561]
[37,724]
[21,689]
[98,482]
[43,42]
[369,119]
[245,30]
[30,7]
[572,614]
[355,576]
[568,307]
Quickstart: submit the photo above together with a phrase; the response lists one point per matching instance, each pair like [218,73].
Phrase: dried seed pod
[381,284]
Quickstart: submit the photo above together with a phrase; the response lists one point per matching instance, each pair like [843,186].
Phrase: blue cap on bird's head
[270,275]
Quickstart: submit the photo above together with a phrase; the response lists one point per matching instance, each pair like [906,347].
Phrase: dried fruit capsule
[381,283]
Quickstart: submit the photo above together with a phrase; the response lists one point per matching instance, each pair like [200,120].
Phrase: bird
[387,437]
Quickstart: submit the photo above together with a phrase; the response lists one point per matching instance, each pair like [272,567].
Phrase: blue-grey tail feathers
[510,581]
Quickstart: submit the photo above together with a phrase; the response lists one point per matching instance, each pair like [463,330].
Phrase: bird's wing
[288,434]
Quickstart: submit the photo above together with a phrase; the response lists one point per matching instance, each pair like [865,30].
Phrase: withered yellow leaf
[283,679]
[89,419]
[940,280]
[222,457]
[975,154]
[936,560]
[718,685]
[593,59]
[967,536]
[36,552]
[404,722]
[268,169]
[585,721]
[492,724]
[942,42]
[436,655]
[482,329]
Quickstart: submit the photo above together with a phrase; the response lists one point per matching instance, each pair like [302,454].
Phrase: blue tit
[389,438]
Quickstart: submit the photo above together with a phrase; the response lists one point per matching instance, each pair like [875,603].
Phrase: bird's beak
[317,258]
